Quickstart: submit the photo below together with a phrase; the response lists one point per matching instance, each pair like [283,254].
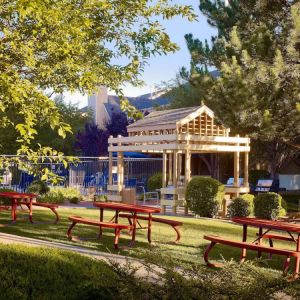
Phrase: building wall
[96,103]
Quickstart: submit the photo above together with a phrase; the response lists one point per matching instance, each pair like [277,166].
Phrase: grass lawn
[188,253]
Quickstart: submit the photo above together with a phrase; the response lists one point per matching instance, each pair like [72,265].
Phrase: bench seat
[245,245]
[174,224]
[4,207]
[51,206]
[93,222]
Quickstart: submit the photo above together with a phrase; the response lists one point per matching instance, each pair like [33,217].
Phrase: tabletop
[128,207]
[276,225]
[16,195]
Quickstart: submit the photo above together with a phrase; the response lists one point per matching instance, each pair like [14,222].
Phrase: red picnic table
[134,210]
[264,229]
[16,197]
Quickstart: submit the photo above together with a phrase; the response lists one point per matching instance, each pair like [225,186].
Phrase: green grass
[188,253]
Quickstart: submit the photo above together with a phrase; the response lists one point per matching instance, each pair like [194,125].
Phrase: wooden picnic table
[264,229]
[15,198]
[131,208]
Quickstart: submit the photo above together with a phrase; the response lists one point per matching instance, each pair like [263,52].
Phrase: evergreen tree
[257,52]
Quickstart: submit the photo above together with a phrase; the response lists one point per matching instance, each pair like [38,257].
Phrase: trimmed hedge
[250,199]
[60,195]
[154,182]
[269,206]
[239,207]
[204,195]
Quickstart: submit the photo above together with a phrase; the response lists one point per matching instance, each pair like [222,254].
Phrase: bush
[239,207]
[255,175]
[250,199]
[38,187]
[154,182]
[269,206]
[3,200]
[61,194]
[203,196]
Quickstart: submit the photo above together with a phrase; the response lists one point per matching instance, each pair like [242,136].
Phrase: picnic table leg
[244,250]
[117,235]
[69,233]
[297,263]
[30,210]
[14,210]
[260,232]
[101,220]
[134,219]
[149,227]
[117,217]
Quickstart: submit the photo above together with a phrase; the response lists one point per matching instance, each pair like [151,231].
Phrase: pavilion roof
[169,118]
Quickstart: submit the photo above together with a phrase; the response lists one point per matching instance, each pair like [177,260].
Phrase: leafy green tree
[257,53]
[60,45]
[45,136]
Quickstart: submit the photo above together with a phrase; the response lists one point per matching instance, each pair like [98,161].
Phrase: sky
[164,68]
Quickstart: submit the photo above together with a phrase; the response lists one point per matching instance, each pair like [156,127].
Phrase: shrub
[250,199]
[203,195]
[255,175]
[61,194]
[3,200]
[154,182]
[269,206]
[38,187]
[239,207]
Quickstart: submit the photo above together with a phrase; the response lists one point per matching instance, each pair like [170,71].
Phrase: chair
[230,181]
[132,182]
[264,185]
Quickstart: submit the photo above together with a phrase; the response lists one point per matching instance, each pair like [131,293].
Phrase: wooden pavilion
[177,134]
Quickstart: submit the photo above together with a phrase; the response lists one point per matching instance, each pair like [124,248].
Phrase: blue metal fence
[86,172]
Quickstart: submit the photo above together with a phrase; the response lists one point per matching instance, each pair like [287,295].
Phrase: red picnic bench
[174,224]
[4,207]
[80,220]
[244,245]
[256,245]
[51,206]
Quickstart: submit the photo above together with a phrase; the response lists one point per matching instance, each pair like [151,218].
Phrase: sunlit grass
[187,253]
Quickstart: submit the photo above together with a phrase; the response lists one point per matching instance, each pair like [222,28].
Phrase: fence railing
[86,172]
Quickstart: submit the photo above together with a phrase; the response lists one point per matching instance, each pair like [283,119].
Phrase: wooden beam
[200,148]
[173,137]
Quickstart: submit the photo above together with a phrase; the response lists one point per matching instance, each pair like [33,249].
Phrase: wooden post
[164,175]
[187,173]
[246,170]
[179,167]
[164,179]
[120,169]
[170,177]
[110,165]
[236,168]
[175,196]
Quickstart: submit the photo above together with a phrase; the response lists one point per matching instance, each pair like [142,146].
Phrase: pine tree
[257,52]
